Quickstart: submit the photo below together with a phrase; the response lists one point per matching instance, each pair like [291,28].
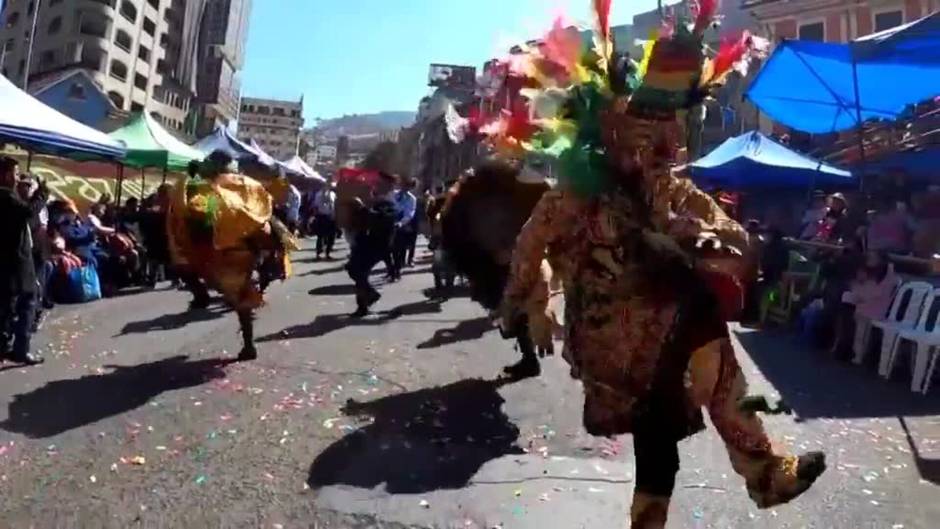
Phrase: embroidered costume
[650,265]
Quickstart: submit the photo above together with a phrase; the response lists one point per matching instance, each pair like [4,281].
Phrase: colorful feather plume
[704,12]
[565,88]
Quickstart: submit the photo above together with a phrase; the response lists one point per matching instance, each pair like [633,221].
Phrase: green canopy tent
[150,145]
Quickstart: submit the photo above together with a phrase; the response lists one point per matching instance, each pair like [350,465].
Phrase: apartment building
[138,52]
[834,20]
[274,124]
[223,39]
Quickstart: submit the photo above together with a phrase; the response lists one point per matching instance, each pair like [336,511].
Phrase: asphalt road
[138,420]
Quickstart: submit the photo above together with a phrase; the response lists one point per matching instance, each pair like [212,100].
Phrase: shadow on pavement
[347,289]
[173,321]
[815,385]
[63,405]
[324,271]
[421,441]
[929,469]
[326,323]
[463,332]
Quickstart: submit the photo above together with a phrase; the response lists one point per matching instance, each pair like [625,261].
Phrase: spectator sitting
[927,233]
[867,299]
[815,213]
[890,228]
[95,222]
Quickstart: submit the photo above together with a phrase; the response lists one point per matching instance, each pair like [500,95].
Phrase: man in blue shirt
[406,205]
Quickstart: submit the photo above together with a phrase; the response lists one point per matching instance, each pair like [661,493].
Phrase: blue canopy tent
[222,139]
[29,123]
[820,87]
[754,161]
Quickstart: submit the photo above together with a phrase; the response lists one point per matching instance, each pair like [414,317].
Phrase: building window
[117,99]
[137,107]
[31,8]
[10,45]
[20,67]
[118,70]
[47,60]
[888,20]
[815,31]
[13,18]
[129,11]
[157,116]
[96,26]
[77,91]
[123,40]
[55,26]
[143,53]
[150,27]
[154,3]
[140,82]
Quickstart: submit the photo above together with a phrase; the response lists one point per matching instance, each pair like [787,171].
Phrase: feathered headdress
[588,106]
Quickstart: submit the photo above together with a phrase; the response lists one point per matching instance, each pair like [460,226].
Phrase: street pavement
[138,419]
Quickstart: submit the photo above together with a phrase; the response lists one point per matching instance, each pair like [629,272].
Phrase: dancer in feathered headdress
[650,264]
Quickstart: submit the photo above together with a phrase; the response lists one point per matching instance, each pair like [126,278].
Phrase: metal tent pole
[858,119]
[120,184]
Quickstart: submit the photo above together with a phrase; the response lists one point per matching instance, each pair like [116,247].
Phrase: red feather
[706,11]
[730,52]
[602,8]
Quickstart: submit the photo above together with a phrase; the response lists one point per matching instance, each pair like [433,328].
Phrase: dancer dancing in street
[649,263]
[221,229]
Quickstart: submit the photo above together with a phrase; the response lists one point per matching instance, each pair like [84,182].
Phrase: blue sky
[363,56]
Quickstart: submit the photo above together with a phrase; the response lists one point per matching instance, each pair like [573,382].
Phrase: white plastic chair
[861,342]
[905,310]
[926,337]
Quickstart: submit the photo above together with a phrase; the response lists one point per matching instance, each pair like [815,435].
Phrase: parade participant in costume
[221,228]
[481,218]
[649,263]
[373,241]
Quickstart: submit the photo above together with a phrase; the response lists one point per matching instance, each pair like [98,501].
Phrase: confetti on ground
[200,480]
[92,478]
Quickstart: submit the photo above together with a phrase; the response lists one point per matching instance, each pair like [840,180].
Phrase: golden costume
[222,231]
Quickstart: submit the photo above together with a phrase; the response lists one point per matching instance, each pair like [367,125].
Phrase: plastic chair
[905,310]
[926,337]
[802,276]
[861,342]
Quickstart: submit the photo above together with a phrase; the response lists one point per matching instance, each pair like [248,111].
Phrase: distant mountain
[363,124]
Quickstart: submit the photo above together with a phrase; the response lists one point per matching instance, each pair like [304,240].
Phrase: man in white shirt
[293,209]
[324,220]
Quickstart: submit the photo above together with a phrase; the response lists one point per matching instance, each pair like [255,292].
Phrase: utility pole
[29,50]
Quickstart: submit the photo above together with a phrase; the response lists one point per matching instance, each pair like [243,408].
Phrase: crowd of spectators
[64,256]
[849,249]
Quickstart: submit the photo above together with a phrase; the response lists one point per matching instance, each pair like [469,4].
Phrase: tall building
[273,123]
[138,52]
[834,21]
[223,38]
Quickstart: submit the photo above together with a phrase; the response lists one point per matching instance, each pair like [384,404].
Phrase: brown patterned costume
[645,332]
